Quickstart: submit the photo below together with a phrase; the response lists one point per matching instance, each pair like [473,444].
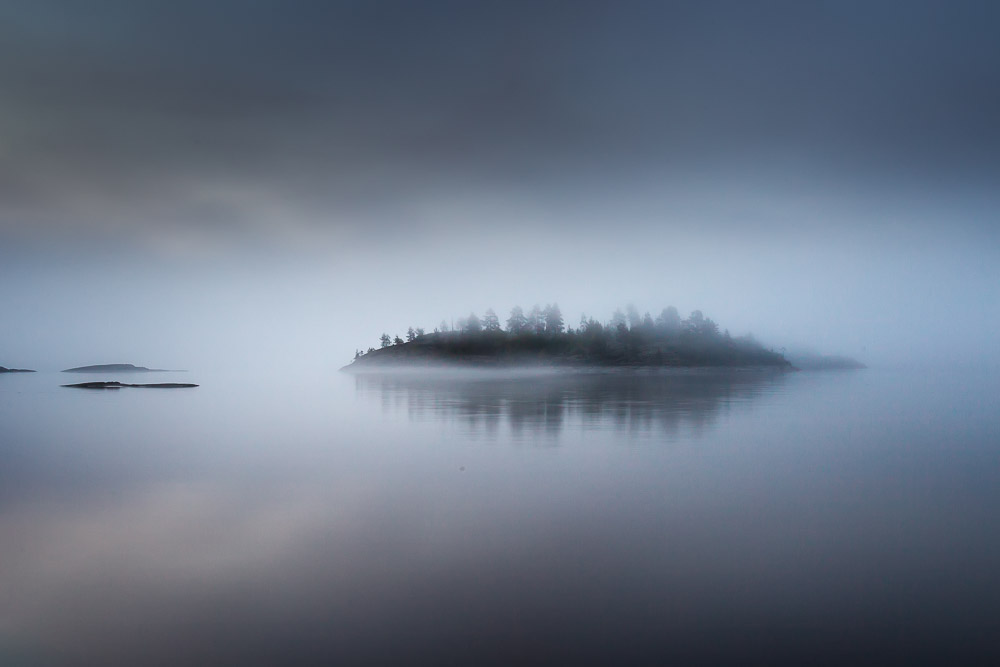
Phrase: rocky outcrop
[112,368]
[119,385]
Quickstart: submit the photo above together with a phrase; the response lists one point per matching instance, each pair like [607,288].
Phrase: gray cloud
[126,119]
[821,172]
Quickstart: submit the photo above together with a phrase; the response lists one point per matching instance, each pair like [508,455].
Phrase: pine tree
[517,322]
[536,323]
[553,319]
[669,320]
[490,321]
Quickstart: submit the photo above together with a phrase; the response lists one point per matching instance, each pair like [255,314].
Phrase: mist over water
[818,176]
[692,515]
[254,192]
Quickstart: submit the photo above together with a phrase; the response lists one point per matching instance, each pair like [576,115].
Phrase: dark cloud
[122,114]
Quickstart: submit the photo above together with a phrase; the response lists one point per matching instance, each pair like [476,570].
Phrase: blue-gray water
[699,517]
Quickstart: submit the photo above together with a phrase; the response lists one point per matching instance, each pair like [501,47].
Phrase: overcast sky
[187,183]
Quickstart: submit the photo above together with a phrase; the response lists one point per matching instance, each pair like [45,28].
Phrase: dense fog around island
[256,192]
[275,186]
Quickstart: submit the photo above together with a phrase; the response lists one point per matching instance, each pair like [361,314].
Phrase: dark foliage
[628,339]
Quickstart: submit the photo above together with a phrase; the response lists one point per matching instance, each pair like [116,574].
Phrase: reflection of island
[544,403]
[15,370]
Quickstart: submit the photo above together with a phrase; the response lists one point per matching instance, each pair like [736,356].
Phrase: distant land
[824,362]
[114,368]
[15,370]
[119,385]
[541,338]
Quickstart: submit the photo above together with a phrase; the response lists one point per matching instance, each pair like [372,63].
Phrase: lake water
[623,518]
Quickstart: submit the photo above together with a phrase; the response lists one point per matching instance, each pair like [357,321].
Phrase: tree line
[626,327]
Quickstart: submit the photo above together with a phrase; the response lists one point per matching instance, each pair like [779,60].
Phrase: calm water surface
[618,518]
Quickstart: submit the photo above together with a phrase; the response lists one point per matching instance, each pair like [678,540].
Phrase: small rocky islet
[123,368]
[119,385]
[110,368]
[114,368]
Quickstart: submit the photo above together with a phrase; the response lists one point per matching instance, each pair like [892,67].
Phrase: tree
[385,340]
[618,319]
[420,332]
[694,322]
[669,320]
[553,319]
[411,335]
[700,325]
[397,341]
[517,322]
[443,326]
[472,324]
[490,321]
[591,327]
[634,319]
[536,323]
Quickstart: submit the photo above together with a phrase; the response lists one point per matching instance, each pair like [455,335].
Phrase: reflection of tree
[633,402]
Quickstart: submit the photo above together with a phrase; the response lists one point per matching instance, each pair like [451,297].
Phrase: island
[114,368]
[15,370]
[119,385]
[540,337]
